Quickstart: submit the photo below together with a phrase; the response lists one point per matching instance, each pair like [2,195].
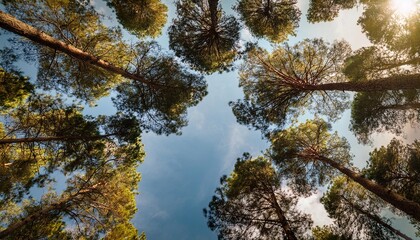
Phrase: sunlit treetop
[203,36]
[395,24]
[272,19]
[140,17]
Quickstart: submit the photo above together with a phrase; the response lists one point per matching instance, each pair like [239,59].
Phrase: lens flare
[404,8]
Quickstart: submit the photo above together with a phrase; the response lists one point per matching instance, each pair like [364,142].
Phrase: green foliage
[140,17]
[159,98]
[14,89]
[356,211]
[46,132]
[327,10]
[160,106]
[250,204]
[297,152]
[99,199]
[370,62]
[383,111]
[328,232]
[96,201]
[397,167]
[272,19]
[281,85]
[383,26]
[203,36]
[81,26]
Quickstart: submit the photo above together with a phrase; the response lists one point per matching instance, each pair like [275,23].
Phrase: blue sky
[180,173]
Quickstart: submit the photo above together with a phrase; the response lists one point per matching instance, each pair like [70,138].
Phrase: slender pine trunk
[411,208]
[287,230]
[400,82]
[16,26]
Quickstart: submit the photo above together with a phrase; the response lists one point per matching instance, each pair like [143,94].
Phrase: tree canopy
[250,204]
[45,132]
[281,84]
[356,212]
[65,174]
[311,155]
[99,201]
[204,36]
[320,10]
[140,17]
[143,70]
[272,19]
[383,111]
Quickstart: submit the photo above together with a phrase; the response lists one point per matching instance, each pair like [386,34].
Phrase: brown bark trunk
[16,26]
[377,219]
[403,82]
[287,230]
[400,202]
[50,139]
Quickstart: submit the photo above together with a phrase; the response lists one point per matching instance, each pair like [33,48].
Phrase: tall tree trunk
[376,219]
[213,13]
[14,25]
[287,230]
[50,139]
[400,202]
[400,82]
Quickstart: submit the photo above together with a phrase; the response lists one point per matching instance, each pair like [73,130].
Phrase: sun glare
[404,8]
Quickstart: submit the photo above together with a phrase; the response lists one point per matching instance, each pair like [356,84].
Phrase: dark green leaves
[161,106]
[275,20]
[203,36]
[140,17]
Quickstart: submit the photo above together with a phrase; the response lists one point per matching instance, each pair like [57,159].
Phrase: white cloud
[313,206]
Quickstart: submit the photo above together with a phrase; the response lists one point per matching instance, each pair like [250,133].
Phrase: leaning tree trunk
[376,219]
[14,25]
[399,82]
[400,202]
